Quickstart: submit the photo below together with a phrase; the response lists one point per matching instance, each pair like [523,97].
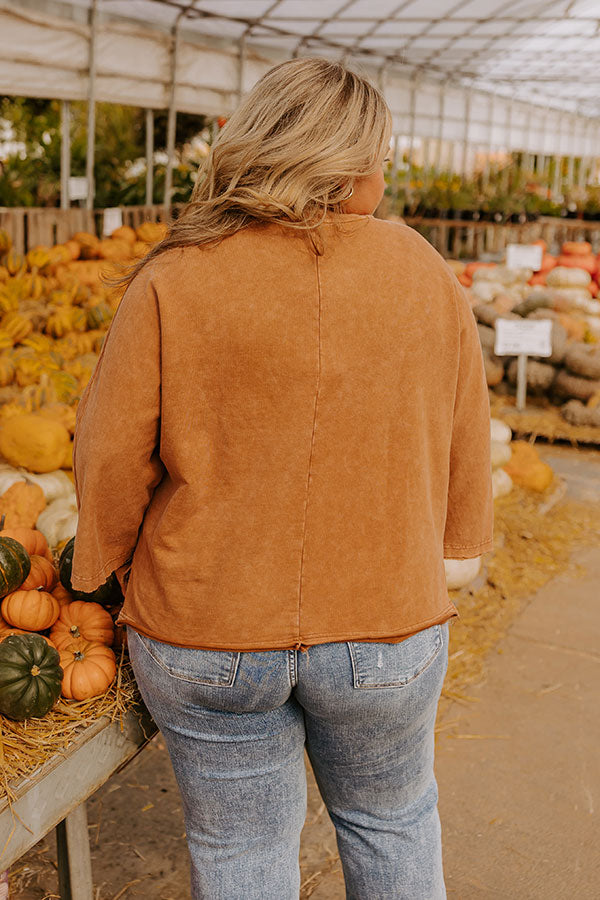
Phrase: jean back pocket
[377,665]
[215,668]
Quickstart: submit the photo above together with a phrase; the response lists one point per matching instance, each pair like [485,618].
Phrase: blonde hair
[288,154]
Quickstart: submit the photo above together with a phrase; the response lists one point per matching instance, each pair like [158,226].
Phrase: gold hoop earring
[350,194]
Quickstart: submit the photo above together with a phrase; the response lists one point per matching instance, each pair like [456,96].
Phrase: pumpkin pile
[564,292]
[513,463]
[54,314]
[53,640]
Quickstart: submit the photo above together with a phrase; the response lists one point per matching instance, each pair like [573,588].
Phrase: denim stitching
[233,667]
[439,643]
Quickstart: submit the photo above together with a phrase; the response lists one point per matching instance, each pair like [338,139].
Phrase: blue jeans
[236,725]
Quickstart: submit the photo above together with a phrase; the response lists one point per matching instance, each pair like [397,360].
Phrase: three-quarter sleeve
[116,458]
[469,519]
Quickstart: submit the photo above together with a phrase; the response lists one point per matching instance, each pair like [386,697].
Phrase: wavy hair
[288,155]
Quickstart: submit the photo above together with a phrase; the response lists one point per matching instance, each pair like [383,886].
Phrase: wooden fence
[456,238]
[30,226]
[459,239]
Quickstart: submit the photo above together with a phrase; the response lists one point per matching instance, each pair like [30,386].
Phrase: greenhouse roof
[536,51]
[512,74]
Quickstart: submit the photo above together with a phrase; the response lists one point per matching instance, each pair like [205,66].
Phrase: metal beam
[91,111]
[65,153]
[149,157]
[171,117]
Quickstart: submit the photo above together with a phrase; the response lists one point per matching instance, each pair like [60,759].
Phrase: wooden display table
[54,797]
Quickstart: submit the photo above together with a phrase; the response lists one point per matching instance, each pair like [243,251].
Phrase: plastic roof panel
[540,51]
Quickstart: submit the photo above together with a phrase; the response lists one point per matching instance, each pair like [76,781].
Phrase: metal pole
[394,173]
[411,136]
[171,119]
[91,111]
[521,381]
[65,153]
[438,150]
[241,66]
[149,157]
[465,148]
[506,172]
[485,178]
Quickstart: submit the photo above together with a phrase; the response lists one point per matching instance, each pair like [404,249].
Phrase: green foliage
[32,177]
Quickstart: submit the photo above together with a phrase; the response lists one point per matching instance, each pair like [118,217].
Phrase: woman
[287,430]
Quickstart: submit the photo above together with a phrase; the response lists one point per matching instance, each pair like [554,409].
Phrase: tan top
[278,449]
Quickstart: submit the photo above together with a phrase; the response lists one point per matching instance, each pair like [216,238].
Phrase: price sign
[523,336]
[78,187]
[113,218]
[524,256]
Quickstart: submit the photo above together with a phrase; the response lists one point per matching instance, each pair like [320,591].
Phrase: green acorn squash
[108,594]
[15,565]
[30,676]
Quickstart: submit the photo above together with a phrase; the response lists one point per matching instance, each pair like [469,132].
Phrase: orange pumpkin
[576,248]
[8,631]
[589,263]
[31,610]
[538,278]
[42,575]
[33,540]
[89,669]
[21,504]
[593,288]
[548,262]
[82,619]
[62,595]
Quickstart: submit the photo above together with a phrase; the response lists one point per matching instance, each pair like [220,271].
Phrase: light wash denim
[236,725]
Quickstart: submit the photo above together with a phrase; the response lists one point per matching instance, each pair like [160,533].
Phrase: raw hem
[83,583]
[468,551]
[307,640]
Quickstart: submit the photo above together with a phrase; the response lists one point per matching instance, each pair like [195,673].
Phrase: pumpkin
[124,233]
[34,442]
[566,276]
[79,619]
[55,485]
[108,594]
[527,469]
[6,632]
[62,595]
[59,520]
[32,540]
[501,483]
[32,610]
[576,248]
[500,432]
[587,263]
[42,575]
[461,572]
[89,669]
[15,565]
[500,453]
[30,676]
[21,504]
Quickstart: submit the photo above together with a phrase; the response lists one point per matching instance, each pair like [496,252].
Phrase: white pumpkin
[564,276]
[58,522]
[502,483]
[501,454]
[461,572]
[500,432]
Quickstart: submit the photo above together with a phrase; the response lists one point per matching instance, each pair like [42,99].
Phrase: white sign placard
[78,187]
[532,337]
[524,256]
[113,218]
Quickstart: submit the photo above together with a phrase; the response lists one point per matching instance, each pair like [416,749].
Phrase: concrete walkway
[519,773]
[519,805]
